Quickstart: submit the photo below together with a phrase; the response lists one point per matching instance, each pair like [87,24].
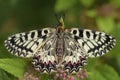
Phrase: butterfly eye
[74,31]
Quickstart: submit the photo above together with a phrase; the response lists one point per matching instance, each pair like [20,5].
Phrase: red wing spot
[69,62]
[78,62]
[49,62]
[38,57]
[74,64]
[40,62]
[80,57]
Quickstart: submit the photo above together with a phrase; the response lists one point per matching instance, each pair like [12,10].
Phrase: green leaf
[118,60]
[6,76]
[91,64]
[62,5]
[108,72]
[95,75]
[103,72]
[105,24]
[3,75]
[4,53]
[14,66]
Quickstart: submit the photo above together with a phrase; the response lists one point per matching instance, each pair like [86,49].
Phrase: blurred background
[25,15]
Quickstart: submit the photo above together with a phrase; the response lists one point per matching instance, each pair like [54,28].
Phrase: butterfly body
[59,49]
[52,48]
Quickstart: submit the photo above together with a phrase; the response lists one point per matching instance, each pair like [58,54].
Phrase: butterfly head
[60,25]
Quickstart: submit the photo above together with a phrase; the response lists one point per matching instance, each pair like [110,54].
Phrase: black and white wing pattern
[44,59]
[77,46]
[75,56]
[26,44]
[95,43]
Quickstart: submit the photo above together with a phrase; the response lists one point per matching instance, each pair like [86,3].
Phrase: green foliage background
[24,15]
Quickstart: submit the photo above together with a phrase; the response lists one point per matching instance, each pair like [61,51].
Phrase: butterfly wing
[83,43]
[44,59]
[26,44]
[95,43]
[75,55]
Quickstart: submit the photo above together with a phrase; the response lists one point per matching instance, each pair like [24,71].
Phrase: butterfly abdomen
[60,48]
[60,42]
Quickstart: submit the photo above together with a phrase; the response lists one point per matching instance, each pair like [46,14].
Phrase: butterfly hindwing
[74,55]
[24,44]
[95,43]
[44,59]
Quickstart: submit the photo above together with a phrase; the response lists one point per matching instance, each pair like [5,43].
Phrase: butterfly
[52,48]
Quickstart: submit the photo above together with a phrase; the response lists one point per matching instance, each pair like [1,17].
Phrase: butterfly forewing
[95,43]
[25,44]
